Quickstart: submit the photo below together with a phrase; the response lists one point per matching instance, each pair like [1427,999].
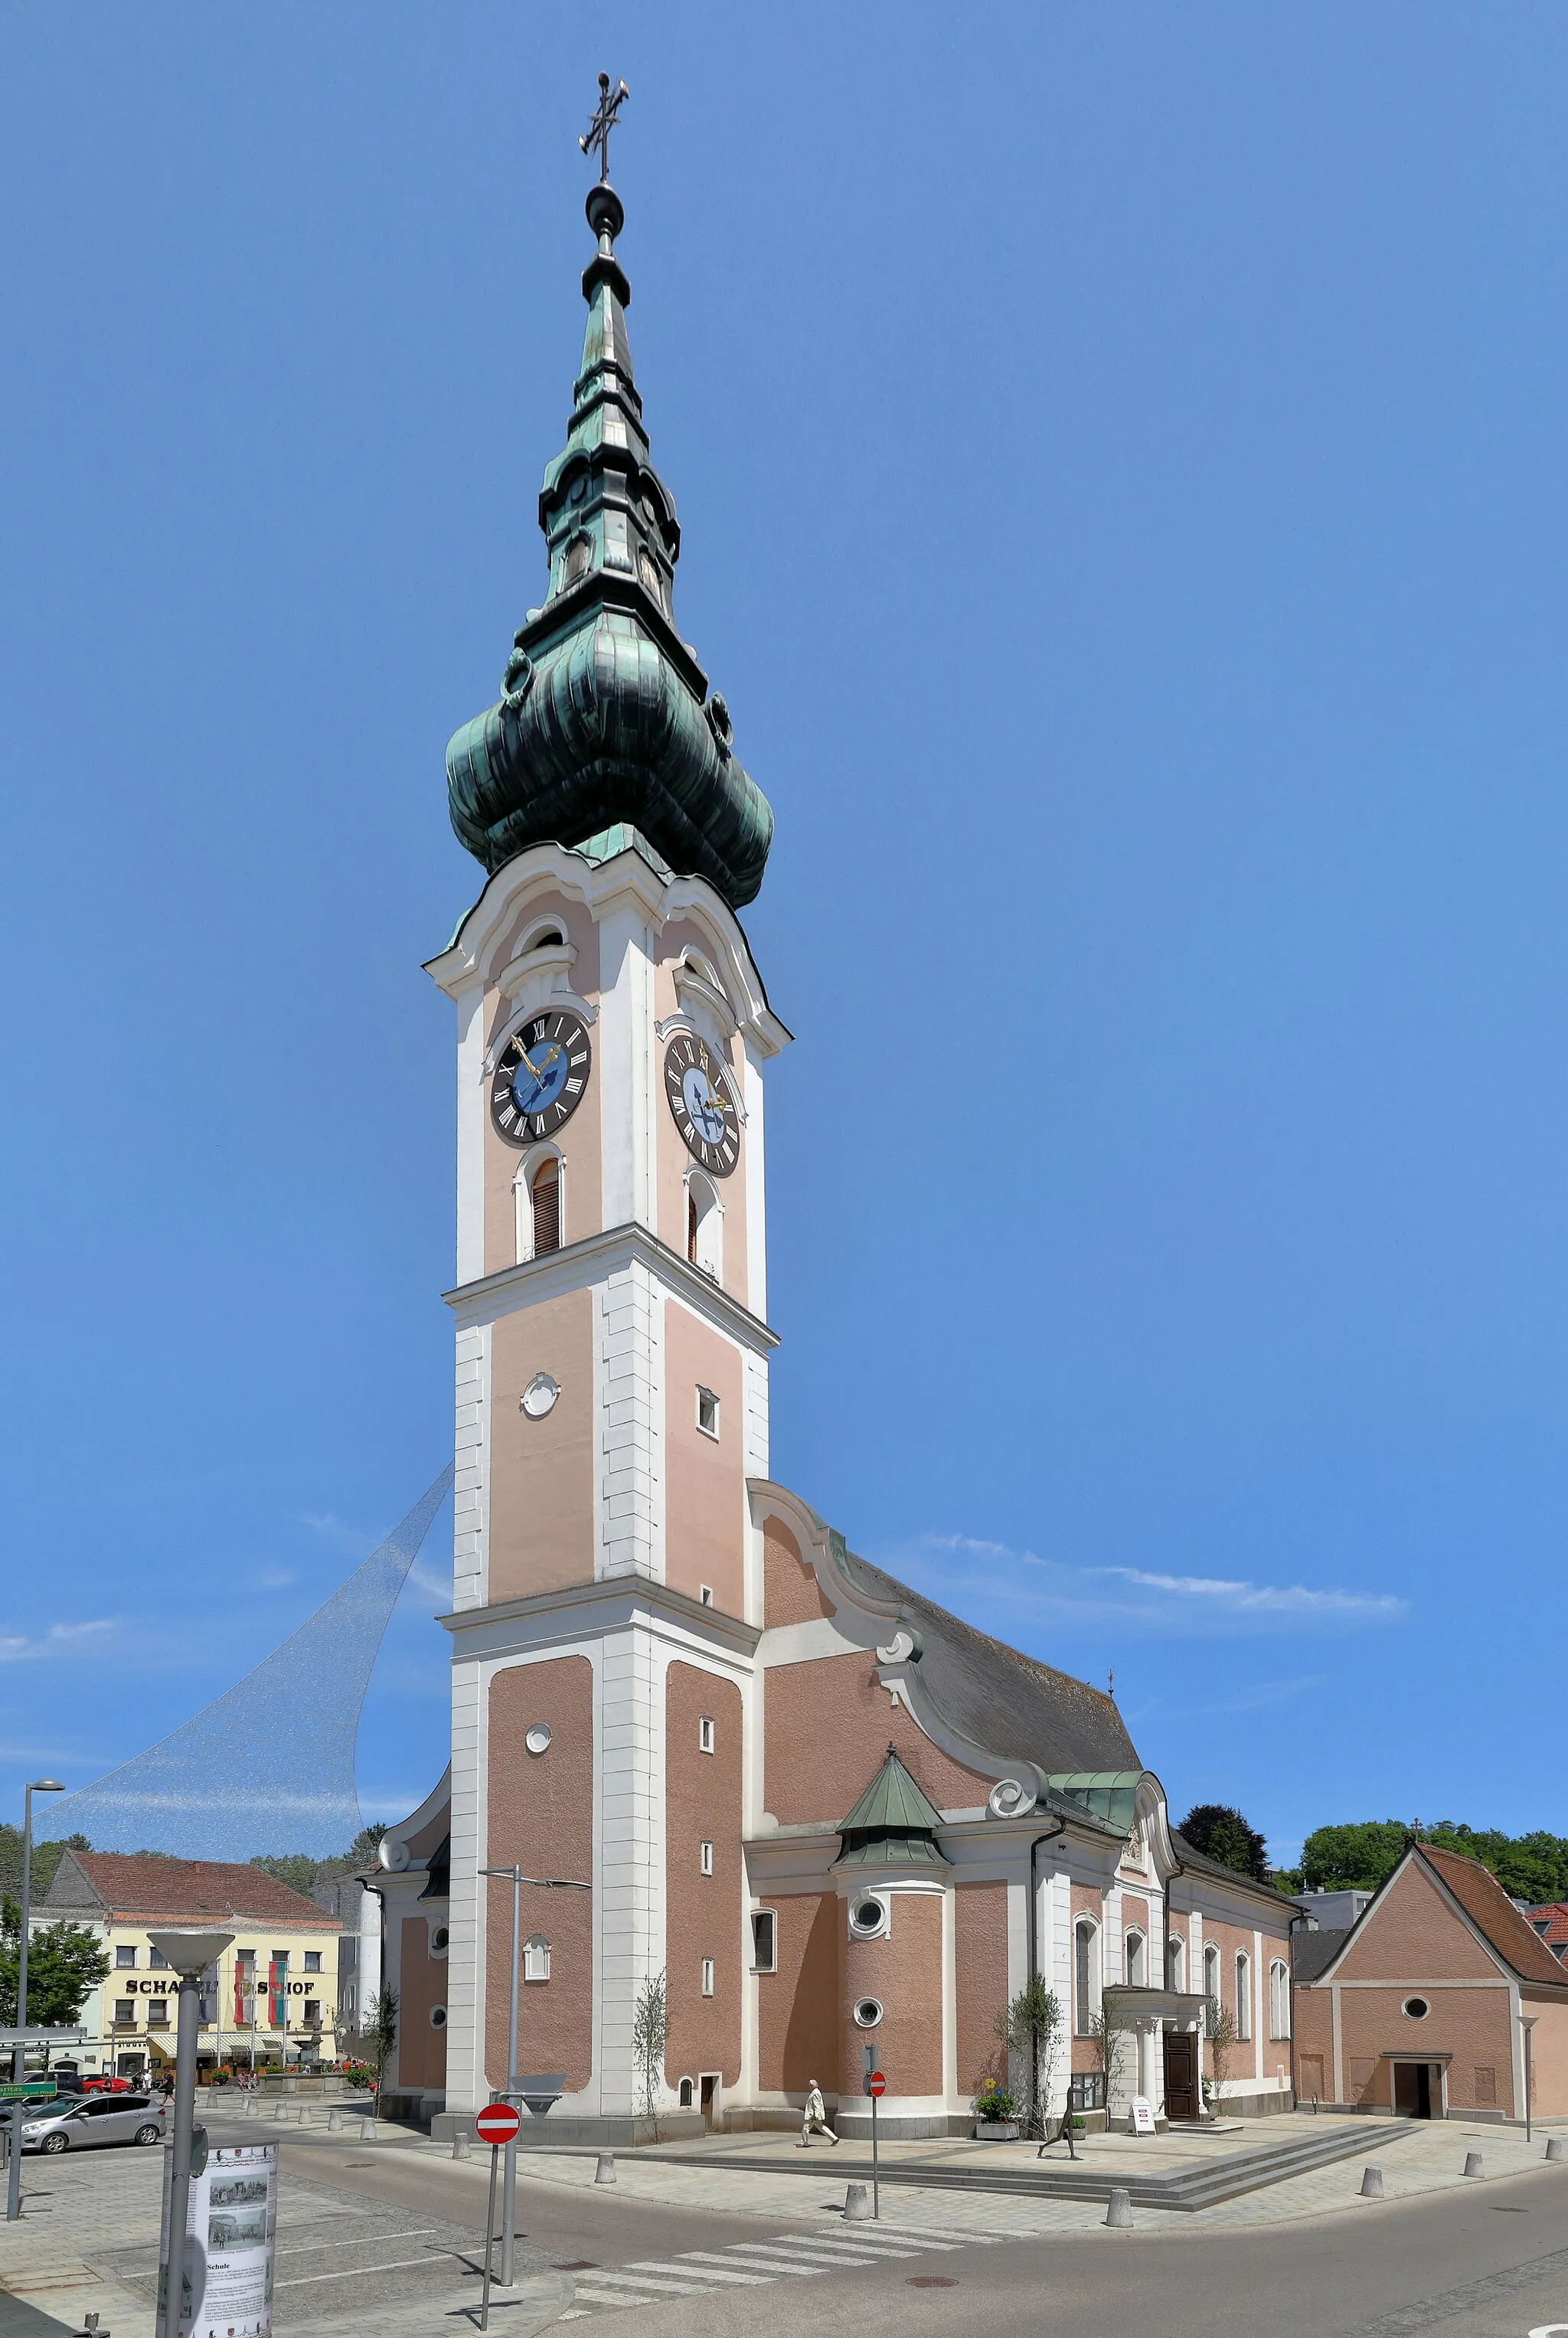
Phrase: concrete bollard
[1557,2148]
[304,2116]
[857,2206]
[1372,2183]
[1473,2164]
[248,2106]
[1119,2214]
[280,2113]
[604,2173]
[334,2121]
[462,2145]
[366,2130]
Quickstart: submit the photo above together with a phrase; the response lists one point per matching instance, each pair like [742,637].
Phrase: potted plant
[995,2117]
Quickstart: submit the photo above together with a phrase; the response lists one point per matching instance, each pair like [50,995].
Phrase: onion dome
[605,722]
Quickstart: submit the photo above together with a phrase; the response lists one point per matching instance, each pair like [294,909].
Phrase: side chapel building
[831,1814]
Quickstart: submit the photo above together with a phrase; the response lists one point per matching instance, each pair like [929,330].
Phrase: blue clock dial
[702,1103]
[540,1077]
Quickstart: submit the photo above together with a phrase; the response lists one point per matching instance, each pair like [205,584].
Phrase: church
[841,1826]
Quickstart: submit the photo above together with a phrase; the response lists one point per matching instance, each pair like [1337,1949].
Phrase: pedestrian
[814,2117]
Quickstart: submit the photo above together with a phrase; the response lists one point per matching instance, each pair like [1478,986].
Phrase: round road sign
[496,2122]
[877,2083]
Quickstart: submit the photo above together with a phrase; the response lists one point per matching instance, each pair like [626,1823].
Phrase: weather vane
[603,123]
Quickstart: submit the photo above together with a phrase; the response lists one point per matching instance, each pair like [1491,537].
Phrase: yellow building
[271,1999]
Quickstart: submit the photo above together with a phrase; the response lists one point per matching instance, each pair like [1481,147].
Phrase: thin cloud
[59,1640]
[1017,1589]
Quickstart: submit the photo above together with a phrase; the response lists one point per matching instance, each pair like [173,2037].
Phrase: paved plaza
[386,2235]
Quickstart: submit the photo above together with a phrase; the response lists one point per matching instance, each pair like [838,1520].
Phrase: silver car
[74,2122]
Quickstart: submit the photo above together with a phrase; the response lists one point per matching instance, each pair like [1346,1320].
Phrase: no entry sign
[876,2084]
[496,2122]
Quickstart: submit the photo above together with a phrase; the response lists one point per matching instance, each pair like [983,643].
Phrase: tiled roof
[1200,1862]
[1483,1898]
[1312,1952]
[1549,1924]
[129,1882]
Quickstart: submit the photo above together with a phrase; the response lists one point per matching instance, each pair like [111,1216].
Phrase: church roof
[1009,1702]
[141,1884]
[605,733]
[1483,1899]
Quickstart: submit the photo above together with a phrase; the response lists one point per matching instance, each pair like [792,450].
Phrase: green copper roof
[892,1825]
[605,720]
[1108,1794]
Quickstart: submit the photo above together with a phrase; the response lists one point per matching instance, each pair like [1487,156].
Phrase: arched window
[1086,1974]
[704,1226]
[1176,1962]
[1211,1972]
[1136,1960]
[537,1957]
[1279,1999]
[545,1204]
[684,2094]
[1243,1994]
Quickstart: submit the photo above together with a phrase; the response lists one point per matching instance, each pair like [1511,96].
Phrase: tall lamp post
[1527,2022]
[19,2058]
[509,2209]
[189,1954]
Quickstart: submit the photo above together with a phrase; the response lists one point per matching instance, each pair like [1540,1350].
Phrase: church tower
[611,1292]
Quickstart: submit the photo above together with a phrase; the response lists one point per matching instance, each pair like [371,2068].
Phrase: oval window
[437,2017]
[1416,2008]
[867,1915]
[438,1940]
[868,2013]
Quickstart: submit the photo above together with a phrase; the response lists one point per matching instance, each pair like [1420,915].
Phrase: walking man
[814,2117]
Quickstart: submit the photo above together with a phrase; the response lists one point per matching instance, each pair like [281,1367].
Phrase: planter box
[995,2130]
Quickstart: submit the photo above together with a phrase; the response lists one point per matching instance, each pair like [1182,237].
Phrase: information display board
[1142,2116]
[229,2238]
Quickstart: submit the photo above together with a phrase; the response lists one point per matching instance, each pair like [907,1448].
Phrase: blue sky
[1119,458]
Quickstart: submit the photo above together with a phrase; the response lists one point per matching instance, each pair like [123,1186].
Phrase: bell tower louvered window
[544,1194]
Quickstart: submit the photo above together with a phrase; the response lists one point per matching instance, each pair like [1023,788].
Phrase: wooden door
[1311,2086]
[1180,2076]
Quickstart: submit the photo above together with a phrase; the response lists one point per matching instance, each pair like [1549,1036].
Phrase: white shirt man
[814,2117]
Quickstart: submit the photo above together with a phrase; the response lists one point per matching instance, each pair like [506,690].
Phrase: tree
[302,1872]
[64,1962]
[1220,2029]
[380,2039]
[1031,2027]
[46,1857]
[1107,2035]
[1354,1858]
[1220,1832]
[1359,1857]
[650,2036]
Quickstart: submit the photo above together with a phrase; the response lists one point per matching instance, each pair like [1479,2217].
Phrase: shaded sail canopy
[268,1766]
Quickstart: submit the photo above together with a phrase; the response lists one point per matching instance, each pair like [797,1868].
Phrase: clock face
[703,1104]
[539,1080]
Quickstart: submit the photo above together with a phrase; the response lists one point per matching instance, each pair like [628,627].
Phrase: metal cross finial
[603,123]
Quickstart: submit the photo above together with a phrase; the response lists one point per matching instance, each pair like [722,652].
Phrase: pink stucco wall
[828,1727]
[541,1471]
[704,1533]
[980,1955]
[798,2005]
[790,1591]
[703,1912]
[904,1972]
[541,1817]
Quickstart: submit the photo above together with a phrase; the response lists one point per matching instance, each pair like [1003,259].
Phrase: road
[380,2225]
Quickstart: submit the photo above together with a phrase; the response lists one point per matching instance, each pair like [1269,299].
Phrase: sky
[1119,452]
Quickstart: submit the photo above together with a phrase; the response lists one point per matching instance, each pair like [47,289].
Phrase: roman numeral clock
[703,1104]
[539,1081]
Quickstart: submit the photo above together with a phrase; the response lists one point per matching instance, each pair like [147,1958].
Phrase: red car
[99,2082]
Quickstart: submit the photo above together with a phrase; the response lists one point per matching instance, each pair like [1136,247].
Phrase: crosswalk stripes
[751,2265]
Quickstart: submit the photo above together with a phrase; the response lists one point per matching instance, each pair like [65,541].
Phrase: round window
[1416,2008]
[538,1738]
[437,2017]
[867,1915]
[438,1940]
[868,2013]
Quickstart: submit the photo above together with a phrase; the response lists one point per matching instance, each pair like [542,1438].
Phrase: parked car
[101,2082]
[75,2122]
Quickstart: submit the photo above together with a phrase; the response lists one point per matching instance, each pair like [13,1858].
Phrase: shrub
[358,2073]
[994,2105]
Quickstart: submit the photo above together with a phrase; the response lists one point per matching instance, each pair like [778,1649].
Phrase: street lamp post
[19,2058]
[1528,2023]
[509,2208]
[189,1954]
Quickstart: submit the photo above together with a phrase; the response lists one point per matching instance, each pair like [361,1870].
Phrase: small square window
[707,1412]
[764,1941]
[124,1959]
[312,1959]
[158,2014]
[705,1734]
[157,1960]
[707,1976]
[707,1852]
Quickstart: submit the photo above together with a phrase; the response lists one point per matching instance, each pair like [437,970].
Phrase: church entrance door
[1180,2076]
[1413,2089]
[710,2099]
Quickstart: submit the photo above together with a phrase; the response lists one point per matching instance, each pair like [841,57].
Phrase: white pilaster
[756,1188]
[466,2077]
[470,1005]
[626,1074]
[629,1901]
[471,1490]
[630,1473]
